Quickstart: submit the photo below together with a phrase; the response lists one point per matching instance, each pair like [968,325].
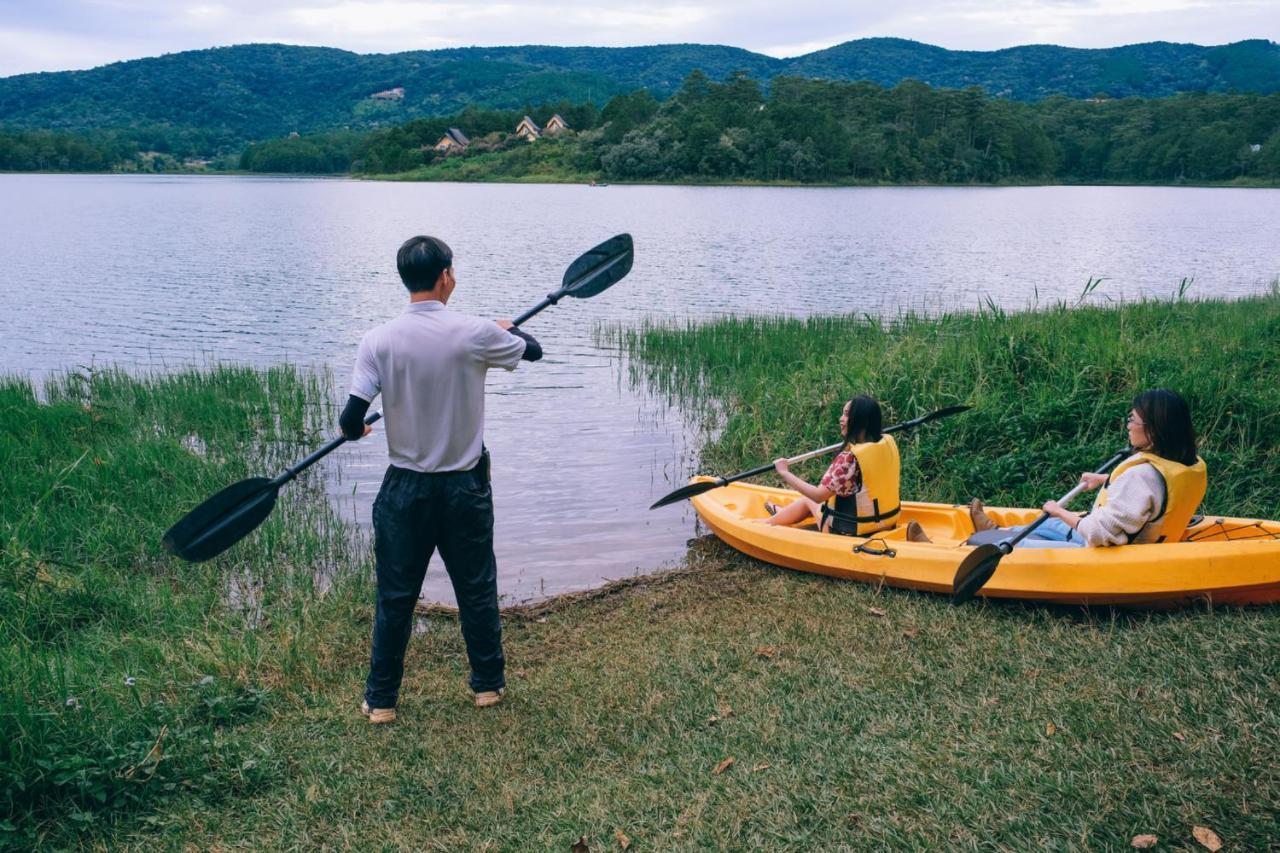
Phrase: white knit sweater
[1133,500]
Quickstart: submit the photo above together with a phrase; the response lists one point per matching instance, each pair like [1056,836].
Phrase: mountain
[1032,72]
[235,94]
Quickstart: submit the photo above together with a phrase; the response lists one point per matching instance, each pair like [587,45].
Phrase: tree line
[804,131]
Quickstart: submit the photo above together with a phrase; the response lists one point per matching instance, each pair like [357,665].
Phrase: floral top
[844,477]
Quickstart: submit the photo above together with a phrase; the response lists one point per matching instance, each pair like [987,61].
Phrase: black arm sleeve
[532,349]
[352,419]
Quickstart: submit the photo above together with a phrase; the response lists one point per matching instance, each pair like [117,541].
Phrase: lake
[156,272]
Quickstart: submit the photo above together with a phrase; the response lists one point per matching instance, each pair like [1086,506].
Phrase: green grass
[925,727]
[1050,390]
[125,673]
[857,718]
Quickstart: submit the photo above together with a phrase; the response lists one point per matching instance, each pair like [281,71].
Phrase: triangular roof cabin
[453,140]
[528,129]
[555,124]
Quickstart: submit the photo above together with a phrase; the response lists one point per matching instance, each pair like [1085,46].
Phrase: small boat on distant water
[1220,560]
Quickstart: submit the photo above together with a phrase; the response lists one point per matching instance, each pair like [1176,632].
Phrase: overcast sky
[53,35]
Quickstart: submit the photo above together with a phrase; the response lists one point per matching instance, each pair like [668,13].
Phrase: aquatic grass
[122,669]
[1049,387]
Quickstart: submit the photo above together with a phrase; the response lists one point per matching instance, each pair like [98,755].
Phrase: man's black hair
[421,260]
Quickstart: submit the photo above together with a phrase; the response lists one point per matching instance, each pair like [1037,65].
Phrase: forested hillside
[211,101]
[799,130]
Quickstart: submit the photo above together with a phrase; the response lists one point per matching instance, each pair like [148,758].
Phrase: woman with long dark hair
[1149,497]
[858,495]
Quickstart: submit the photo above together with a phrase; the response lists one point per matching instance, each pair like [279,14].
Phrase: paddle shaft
[1008,545]
[289,473]
[551,299]
[830,448]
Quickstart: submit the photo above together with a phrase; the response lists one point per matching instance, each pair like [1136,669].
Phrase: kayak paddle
[694,489]
[978,567]
[233,513]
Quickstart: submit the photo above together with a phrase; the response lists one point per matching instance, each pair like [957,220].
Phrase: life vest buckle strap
[858,519]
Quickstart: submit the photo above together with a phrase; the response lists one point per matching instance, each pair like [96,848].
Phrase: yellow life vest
[875,506]
[1184,488]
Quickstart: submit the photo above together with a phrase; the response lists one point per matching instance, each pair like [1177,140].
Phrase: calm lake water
[154,272]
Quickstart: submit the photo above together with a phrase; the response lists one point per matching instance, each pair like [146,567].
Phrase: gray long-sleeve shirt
[1134,500]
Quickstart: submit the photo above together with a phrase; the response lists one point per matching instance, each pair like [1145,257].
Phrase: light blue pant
[1054,533]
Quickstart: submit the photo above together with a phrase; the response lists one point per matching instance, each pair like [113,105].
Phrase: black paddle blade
[689,491]
[974,572]
[222,520]
[932,416]
[599,268]
[945,413]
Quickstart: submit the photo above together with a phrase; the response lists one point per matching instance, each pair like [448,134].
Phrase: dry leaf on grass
[580,846]
[1180,736]
[623,841]
[763,765]
[876,611]
[1050,730]
[725,712]
[1142,842]
[766,651]
[910,633]
[1207,837]
[722,766]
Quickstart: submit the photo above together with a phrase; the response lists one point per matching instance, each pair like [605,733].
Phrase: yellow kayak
[1220,560]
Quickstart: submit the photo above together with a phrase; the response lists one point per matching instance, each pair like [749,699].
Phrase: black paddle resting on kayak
[982,561]
[694,489]
[233,513]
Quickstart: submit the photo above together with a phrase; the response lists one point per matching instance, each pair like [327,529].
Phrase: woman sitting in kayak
[1149,497]
[858,495]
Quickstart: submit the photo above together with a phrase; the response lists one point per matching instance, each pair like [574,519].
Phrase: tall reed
[1050,389]
[123,671]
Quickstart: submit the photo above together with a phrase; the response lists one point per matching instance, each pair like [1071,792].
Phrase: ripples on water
[159,271]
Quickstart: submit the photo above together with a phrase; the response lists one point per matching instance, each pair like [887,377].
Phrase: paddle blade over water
[596,269]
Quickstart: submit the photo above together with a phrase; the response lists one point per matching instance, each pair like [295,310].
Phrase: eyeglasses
[1132,421]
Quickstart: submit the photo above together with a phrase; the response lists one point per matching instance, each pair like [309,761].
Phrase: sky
[56,35]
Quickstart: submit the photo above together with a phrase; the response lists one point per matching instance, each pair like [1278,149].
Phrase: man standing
[429,364]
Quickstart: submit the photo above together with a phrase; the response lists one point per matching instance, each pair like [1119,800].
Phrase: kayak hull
[1221,561]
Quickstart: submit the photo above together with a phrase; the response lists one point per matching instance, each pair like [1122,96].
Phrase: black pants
[413,515]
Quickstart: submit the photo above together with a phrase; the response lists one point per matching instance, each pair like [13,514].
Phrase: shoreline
[406,177]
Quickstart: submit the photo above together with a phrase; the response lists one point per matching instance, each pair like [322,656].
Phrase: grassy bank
[126,675]
[855,718]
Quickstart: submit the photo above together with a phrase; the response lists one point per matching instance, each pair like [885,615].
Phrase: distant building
[453,140]
[528,129]
[555,125]
[1255,147]
[395,94]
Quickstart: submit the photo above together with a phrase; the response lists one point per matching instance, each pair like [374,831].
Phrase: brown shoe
[915,533]
[488,698]
[981,521]
[378,716]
